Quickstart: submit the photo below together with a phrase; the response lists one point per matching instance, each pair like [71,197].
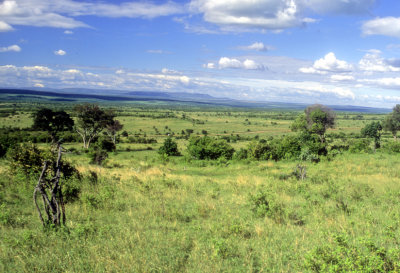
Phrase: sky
[335,52]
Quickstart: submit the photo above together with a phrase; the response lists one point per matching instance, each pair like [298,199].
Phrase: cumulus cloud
[329,63]
[257,46]
[61,13]
[225,62]
[387,26]
[14,48]
[271,14]
[60,52]
[274,15]
[373,62]
[5,27]
[342,78]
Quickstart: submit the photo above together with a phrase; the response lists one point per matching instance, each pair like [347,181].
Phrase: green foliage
[98,154]
[315,120]
[392,147]
[209,148]
[343,256]
[169,148]
[91,121]
[26,157]
[52,121]
[392,121]
[359,145]
[373,130]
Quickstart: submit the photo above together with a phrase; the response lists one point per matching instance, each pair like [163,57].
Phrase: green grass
[148,214]
[198,217]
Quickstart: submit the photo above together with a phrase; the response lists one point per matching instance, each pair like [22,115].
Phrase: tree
[113,128]
[316,119]
[373,130]
[392,121]
[52,121]
[91,121]
[170,147]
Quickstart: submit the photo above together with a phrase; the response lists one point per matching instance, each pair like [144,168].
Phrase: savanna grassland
[144,212]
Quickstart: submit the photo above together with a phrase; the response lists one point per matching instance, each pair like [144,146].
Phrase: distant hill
[78,94]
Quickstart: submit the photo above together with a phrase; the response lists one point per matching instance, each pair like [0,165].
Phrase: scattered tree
[113,128]
[169,148]
[392,121]
[316,119]
[373,130]
[52,121]
[91,121]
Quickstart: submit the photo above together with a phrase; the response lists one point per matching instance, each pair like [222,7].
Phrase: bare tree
[51,192]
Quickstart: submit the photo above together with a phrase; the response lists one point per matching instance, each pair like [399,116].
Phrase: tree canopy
[91,121]
[392,121]
[316,119]
[373,130]
[52,121]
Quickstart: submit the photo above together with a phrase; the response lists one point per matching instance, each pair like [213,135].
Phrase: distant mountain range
[78,94]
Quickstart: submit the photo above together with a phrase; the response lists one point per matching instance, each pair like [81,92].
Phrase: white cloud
[209,65]
[14,48]
[39,85]
[373,62]
[225,62]
[60,52]
[342,78]
[5,27]
[387,26]
[383,82]
[68,32]
[271,14]
[60,13]
[258,46]
[327,64]
[261,14]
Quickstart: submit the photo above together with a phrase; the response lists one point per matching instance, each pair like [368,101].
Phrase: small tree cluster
[169,148]
[209,148]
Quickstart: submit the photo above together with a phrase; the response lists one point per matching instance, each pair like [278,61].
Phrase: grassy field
[145,213]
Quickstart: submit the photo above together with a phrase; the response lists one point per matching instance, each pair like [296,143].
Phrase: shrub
[241,154]
[97,155]
[343,256]
[288,147]
[209,148]
[169,148]
[26,157]
[106,144]
[359,145]
[261,150]
[392,147]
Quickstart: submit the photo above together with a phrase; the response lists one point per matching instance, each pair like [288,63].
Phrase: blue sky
[311,51]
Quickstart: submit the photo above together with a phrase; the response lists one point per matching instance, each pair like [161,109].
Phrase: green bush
[359,145]
[392,147]
[209,148]
[342,256]
[169,148]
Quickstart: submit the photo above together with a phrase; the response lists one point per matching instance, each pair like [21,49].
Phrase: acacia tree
[52,121]
[113,128]
[91,120]
[392,121]
[316,119]
[373,130]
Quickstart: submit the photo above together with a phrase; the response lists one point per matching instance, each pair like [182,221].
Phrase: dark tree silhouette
[52,121]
